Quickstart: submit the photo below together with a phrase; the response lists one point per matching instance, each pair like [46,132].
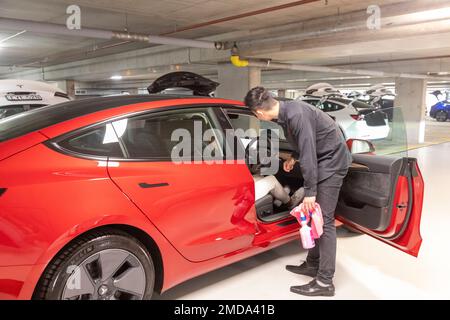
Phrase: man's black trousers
[323,255]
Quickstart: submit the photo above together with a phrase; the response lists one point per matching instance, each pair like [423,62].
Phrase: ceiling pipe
[391,60]
[51,28]
[373,73]
[236,59]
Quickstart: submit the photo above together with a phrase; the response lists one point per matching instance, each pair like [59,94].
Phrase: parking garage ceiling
[413,38]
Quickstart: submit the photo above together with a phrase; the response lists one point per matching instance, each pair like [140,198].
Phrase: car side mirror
[360,146]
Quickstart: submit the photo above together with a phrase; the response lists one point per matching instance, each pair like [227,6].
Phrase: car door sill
[273,218]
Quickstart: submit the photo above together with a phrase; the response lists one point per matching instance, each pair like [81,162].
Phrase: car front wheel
[441,116]
[103,265]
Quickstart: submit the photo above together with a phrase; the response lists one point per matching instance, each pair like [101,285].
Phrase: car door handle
[146,185]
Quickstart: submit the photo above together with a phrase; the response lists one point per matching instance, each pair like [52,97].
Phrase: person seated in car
[270,184]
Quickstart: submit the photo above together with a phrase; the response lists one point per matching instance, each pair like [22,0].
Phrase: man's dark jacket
[317,140]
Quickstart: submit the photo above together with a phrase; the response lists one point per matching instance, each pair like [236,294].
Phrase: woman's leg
[278,191]
[261,187]
[270,184]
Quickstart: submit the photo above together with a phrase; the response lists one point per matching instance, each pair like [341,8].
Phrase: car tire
[102,265]
[441,116]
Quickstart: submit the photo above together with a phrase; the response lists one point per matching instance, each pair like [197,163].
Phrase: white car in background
[17,96]
[357,120]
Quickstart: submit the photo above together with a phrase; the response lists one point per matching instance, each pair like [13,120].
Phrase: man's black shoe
[313,289]
[303,269]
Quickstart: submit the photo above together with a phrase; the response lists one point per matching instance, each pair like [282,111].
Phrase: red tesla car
[92,207]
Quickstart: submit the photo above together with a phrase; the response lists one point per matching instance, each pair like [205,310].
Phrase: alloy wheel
[110,274]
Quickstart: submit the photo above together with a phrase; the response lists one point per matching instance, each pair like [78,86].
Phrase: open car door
[382,195]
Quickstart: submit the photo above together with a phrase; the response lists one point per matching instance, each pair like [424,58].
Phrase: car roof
[107,102]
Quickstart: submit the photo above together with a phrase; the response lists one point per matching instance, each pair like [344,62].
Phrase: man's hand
[288,165]
[309,203]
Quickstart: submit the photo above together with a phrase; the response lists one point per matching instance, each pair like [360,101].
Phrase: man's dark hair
[259,98]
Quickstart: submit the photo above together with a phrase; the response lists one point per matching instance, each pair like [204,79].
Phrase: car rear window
[34,120]
[37,119]
[7,111]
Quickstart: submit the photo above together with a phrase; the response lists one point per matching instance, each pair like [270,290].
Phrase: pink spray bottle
[306,234]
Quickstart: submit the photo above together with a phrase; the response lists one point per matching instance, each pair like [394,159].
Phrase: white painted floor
[366,268]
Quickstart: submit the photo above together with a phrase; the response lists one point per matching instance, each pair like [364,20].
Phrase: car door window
[159,136]
[101,141]
[311,102]
[326,106]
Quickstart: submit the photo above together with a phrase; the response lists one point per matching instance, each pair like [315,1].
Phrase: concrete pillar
[68,86]
[411,97]
[236,82]
[281,93]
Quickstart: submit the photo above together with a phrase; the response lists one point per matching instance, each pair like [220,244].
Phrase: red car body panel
[52,198]
[13,146]
[219,195]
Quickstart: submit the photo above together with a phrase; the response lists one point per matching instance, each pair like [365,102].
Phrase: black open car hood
[200,86]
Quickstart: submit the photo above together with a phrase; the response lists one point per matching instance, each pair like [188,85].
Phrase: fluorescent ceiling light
[13,36]
[436,14]
[116,77]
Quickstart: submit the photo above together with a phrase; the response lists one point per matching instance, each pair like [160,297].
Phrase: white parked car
[357,120]
[17,96]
